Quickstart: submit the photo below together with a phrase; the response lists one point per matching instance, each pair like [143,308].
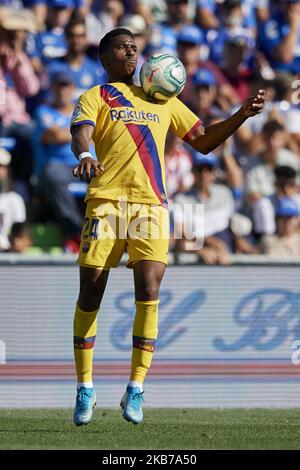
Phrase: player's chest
[154,116]
[126,106]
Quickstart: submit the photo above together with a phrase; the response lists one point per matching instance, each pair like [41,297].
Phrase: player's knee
[148,291]
[89,297]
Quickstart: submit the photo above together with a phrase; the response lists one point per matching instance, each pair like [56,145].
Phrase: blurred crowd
[249,187]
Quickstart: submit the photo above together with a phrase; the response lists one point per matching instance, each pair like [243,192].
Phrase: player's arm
[81,138]
[216,134]
[83,123]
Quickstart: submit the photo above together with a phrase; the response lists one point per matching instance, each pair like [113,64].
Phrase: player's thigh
[147,279]
[100,245]
[149,236]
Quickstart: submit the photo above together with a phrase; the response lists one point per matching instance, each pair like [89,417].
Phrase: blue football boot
[131,405]
[85,402]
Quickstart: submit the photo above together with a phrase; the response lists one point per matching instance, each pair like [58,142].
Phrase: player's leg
[92,285]
[147,279]
[147,247]
[100,250]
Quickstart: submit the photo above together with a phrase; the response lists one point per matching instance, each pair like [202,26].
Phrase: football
[162,76]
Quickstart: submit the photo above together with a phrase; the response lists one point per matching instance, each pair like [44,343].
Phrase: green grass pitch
[162,429]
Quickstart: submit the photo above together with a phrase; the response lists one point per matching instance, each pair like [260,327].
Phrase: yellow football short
[111,227]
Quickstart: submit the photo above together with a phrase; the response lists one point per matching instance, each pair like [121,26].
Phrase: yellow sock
[85,330]
[144,336]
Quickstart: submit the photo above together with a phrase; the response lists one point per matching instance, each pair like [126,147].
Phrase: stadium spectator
[178,166]
[263,10]
[218,206]
[54,136]
[227,27]
[279,37]
[286,106]
[153,11]
[235,72]
[260,179]
[20,238]
[233,22]
[51,42]
[12,208]
[286,240]
[281,105]
[238,16]
[212,14]
[20,81]
[84,71]
[229,172]
[204,95]
[192,51]
[163,37]
[264,209]
[102,17]
[248,138]
[206,14]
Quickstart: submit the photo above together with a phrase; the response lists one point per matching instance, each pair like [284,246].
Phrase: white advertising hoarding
[227,337]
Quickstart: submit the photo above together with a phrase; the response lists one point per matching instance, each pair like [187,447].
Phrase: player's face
[120,63]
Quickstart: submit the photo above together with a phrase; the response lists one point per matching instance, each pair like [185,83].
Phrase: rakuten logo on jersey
[131,115]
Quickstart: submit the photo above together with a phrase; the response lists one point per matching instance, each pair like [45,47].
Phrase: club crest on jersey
[77,112]
[85,247]
[131,115]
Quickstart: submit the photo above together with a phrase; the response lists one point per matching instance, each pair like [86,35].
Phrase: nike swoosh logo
[111,98]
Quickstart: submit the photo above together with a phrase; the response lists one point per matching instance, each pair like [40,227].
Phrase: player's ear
[104,58]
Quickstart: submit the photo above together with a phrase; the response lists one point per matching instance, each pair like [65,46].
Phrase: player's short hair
[106,40]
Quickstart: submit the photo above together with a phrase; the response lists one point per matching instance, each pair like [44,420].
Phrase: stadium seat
[46,236]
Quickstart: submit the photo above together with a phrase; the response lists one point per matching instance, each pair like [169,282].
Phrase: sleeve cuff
[78,123]
[189,135]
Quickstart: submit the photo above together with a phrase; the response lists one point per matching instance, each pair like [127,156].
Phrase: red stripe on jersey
[113,97]
[190,134]
[145,157]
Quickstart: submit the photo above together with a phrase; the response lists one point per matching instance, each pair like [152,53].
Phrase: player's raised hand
[87,169]
[254,105]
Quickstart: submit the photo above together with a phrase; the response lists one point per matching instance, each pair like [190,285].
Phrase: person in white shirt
[263,212]
[178,166]
[12,207]
[260,179]
[286,240]
[218,204]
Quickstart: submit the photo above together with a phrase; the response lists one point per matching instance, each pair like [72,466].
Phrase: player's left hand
[254,105]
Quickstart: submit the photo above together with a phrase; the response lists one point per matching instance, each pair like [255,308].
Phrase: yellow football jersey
[129,138]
